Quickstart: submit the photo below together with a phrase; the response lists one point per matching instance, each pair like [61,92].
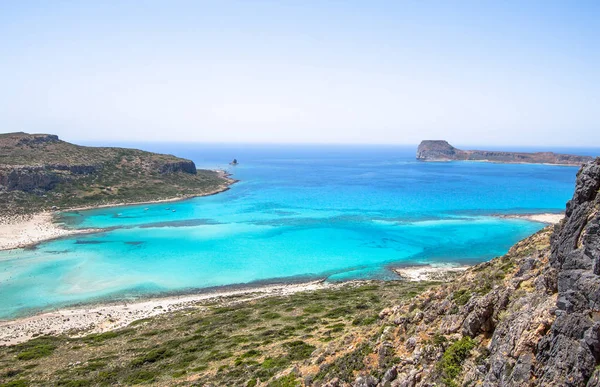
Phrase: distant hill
[40,171]
[439,150]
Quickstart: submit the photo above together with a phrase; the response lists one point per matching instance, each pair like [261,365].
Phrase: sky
[328,71]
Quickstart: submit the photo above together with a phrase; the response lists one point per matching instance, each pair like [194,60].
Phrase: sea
[298,213]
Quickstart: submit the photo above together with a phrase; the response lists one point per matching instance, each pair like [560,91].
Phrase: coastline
[98,318]
[22,231]
[498,162]
[436,273]
[546,218]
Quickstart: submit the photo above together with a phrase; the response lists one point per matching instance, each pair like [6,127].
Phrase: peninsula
[39,173]
[440,150]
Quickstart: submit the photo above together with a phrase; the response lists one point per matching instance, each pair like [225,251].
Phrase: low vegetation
[452,360]
[275,341]
[41,172]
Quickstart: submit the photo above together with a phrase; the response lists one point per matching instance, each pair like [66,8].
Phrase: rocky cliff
[530,318]
[438,150]
[570,352]
[39,171]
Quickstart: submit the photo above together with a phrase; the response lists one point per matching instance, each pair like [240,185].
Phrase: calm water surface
[298,212]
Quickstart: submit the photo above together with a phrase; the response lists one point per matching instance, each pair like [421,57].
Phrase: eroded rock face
[569,353]
[28,179]
[179,166]
[44,178]
[437,150]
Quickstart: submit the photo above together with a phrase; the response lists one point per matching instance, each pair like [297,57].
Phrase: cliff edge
[40,171]
[529,318]
[440,150]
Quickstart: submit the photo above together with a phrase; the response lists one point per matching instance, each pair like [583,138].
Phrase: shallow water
[319,211]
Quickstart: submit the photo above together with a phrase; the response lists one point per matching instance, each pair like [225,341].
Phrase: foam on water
[326,212]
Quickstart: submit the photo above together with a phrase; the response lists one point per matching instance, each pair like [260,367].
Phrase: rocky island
[440,150]
[40,174]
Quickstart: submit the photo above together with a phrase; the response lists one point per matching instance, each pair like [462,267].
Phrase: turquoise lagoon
[297,213]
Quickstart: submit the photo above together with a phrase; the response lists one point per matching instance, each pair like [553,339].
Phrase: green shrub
[440,340]
[251,353]
[361,321]
[450,365]
[140,377]
[285,381]
[101,337]
[271,363]
[298,350]
[345,366]
[36,352]
[462,296]
[73,383]
[16,383]
[151,357]
[311,309]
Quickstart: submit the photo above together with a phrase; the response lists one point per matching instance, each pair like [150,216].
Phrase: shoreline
[546,218]
[578,165]
[103,317]
[22,231]
[429,272]
[221,188]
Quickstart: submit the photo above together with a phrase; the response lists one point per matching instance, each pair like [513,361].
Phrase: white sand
[24,230]
[102,318]
[429,272]
[542,218]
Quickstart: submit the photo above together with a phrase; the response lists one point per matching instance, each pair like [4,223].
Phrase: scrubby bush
[450,365]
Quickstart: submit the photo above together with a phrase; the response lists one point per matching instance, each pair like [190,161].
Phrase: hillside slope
[39,171]
[530,318]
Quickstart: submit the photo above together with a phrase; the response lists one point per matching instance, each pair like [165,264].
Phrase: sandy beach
[26,230]
[18,231]
[429,272]
[105,317]
[548,218]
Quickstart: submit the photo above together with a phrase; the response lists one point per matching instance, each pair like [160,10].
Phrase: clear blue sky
[471,72]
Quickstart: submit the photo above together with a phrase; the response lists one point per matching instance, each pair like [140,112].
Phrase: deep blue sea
[298,212]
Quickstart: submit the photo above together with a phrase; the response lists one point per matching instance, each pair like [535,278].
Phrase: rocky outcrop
[37,139]
[44,178]
[569,353]
[439,150]
[185,166]
[28,179]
